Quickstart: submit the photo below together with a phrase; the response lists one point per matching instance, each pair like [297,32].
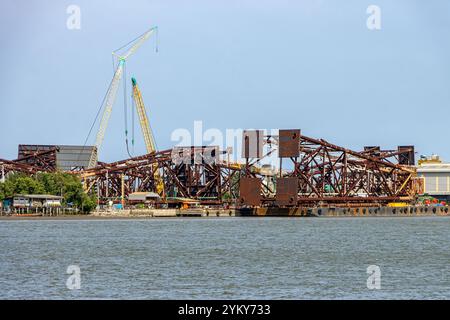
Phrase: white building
[436,175]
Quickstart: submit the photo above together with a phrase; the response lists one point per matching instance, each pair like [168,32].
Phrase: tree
[59,183]
[70,187]
[20,184]
[88,203]
[56,183]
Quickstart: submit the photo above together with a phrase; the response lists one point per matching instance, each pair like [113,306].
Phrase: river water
[226,258]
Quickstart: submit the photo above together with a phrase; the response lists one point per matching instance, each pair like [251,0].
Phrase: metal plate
[206,155]
[373,151]
[407,157]
[250,191]
[67,156]
[195,155]
[287,191]
[252,143]
[289,142]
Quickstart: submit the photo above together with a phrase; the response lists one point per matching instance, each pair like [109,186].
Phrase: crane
[150,144]
[111,93]
[149,140]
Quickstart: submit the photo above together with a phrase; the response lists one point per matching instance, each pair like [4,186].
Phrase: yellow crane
[149,140]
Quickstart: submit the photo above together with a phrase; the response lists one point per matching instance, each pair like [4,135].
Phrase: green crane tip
[133,81]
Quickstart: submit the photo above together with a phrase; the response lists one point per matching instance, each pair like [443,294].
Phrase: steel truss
[319,173]
[188,172]
[327,174]
[30,163]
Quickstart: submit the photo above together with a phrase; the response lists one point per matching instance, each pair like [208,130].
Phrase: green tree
[88,203]
[70,187]
[59,183]
[20,184]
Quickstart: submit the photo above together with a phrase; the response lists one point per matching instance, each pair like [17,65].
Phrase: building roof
[183,200]
[67,156]
[142,196]
[433,167]
[39,196]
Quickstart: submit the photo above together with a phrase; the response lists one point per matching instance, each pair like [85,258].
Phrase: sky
[308,64]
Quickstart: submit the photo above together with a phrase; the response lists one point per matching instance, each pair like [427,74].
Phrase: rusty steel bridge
[318,173]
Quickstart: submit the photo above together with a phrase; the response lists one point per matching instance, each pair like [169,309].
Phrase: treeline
[60,184]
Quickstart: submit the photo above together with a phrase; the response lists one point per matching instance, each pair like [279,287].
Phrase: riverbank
[131,214]
[368,212]
[66,217]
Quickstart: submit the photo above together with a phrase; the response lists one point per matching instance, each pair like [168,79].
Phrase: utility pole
[229,151]
[123,190]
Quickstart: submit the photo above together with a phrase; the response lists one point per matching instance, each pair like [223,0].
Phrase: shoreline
[148,217]
[71,217]
[298,212]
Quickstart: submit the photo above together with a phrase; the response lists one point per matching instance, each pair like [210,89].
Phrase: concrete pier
[347,212]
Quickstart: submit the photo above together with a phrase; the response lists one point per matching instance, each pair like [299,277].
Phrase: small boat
[27,215]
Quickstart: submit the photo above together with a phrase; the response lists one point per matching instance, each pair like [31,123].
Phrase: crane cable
[138,37]
[125,107]
[125,92]
[93,123]
[132,122]
[106,93]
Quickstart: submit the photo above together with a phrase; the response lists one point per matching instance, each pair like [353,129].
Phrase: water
[226,258]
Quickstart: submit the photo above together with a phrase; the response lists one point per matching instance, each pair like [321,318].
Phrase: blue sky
[310,64]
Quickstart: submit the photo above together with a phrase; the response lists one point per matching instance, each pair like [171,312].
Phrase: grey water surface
[226,258]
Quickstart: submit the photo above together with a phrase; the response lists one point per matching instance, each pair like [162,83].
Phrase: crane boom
[143,119]
[147,133]
[110,97]
[139,42]
[109,102]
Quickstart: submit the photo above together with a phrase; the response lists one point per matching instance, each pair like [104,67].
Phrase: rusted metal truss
[43,160]
[8,166]
[317,173]
[323,173]
[31,163]
[188,172]
[134,174]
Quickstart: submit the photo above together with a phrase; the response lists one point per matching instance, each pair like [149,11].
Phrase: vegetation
[227,196]
[61,184]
